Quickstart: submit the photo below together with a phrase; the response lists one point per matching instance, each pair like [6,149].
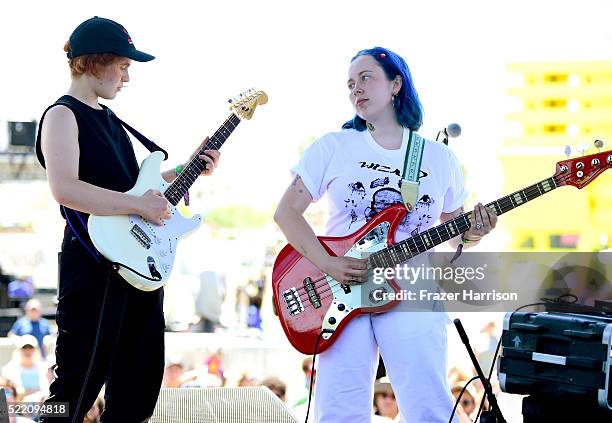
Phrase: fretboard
[415,245]
[194,168]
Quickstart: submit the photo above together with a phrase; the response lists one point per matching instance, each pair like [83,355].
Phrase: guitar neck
[179,187]
[415,245]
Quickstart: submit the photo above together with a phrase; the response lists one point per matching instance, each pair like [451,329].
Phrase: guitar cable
[312,372]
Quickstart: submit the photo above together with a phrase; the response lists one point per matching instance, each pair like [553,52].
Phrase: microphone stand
[487,417]
[444,135]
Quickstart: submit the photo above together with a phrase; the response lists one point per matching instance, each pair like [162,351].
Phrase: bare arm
[60,148]
[290,219]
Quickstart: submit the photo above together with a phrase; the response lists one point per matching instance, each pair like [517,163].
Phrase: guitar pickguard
[350,297]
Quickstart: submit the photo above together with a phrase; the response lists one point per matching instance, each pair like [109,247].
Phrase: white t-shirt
[361,178]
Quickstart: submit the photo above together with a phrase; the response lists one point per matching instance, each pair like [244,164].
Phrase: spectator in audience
[276,385]
[4,282]
[308,372]
[11,397]
[486,346]
[27,370]
[467,403]
[385,405]
[32,324]
[456,374]
[214,363]
[246,379]
[301,406]
[20,289]
[173,373]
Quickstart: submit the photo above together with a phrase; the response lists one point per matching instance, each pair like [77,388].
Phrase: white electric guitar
[143,251]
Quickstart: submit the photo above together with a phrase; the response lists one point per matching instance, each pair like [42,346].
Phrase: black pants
[100,315]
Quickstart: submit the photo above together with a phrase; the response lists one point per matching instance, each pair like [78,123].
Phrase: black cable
[459,397]
[312,372]
[95,347]
[117,264]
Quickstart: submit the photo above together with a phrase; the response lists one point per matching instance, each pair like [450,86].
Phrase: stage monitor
[22,134]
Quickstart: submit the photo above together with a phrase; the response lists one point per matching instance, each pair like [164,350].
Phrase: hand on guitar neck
[210,157]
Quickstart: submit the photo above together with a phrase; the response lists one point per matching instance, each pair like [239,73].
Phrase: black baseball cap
[101,35]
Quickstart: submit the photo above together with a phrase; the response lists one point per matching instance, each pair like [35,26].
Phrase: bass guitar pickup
[311,290]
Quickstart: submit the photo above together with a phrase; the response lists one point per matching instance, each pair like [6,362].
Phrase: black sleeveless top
[106,154]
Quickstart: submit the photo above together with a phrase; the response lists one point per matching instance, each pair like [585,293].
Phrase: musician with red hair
[109,333]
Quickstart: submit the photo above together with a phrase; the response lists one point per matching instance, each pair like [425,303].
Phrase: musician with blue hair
[369,152]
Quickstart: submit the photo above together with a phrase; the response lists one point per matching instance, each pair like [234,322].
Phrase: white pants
[413,347]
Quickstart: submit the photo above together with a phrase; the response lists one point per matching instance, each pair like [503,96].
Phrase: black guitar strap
[148,144]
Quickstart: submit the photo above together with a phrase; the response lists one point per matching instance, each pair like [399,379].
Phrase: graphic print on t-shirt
[382,195]
[357,195]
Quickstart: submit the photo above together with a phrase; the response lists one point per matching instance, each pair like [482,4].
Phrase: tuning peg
[568,151]
[230,101]
[599,144]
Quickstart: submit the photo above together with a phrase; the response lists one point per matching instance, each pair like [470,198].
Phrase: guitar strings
[174,189]
[331,286]
[419,245]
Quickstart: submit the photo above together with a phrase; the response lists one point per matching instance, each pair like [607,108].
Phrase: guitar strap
[412,170]
[147,143]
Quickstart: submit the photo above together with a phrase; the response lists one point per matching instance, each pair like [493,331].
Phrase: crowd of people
[28,374]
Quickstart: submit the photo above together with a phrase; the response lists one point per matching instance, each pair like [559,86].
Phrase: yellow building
[558,104]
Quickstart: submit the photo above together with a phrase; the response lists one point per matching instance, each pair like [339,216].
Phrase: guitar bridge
[141,236]
[293,301]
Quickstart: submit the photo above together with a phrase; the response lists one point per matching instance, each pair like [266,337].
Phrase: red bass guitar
[313,307]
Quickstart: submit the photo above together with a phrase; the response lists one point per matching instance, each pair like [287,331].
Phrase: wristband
[177,171]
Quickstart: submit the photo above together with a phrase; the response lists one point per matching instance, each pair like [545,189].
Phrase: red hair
[91,64]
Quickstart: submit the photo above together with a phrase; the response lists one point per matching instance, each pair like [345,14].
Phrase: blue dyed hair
[407,105]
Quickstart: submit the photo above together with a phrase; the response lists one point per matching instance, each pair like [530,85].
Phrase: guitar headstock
[244,105]
[580,171]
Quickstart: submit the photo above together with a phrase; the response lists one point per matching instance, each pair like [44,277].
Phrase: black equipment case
[557,355]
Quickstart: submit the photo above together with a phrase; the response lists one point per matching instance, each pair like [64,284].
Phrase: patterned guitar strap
[412,169]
